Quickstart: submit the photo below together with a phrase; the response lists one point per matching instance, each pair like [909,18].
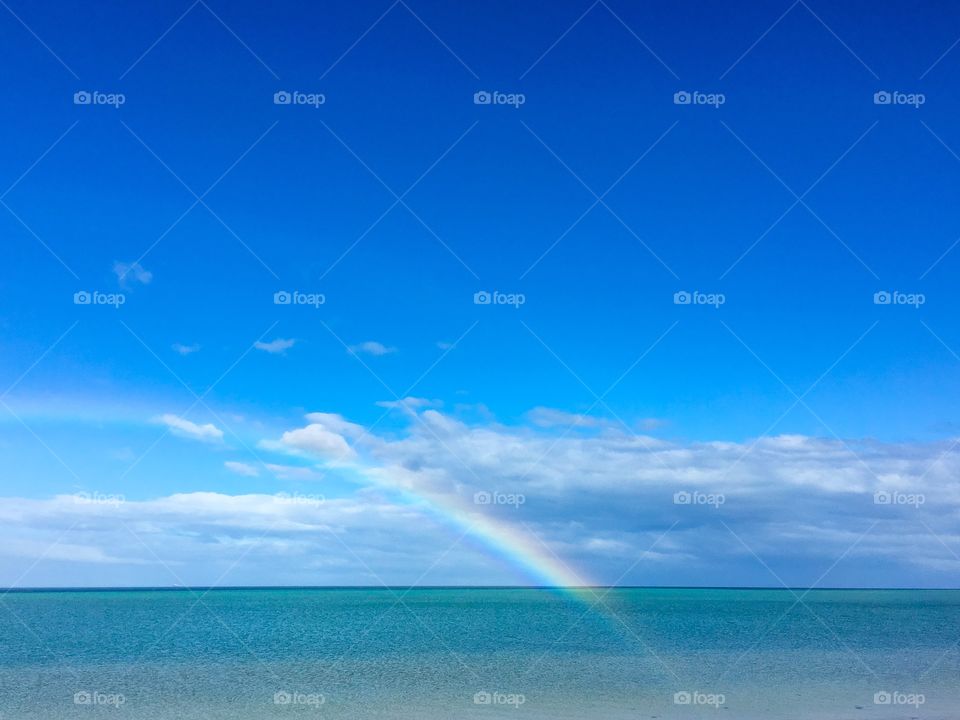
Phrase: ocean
[479,653]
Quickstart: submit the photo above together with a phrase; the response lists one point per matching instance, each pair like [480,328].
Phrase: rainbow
[516,545]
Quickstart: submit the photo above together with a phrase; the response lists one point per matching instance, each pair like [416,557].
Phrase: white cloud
[372,347]
[318,439]
[241,468]
[133,271]
[187,429]
[598,500]
[285,538]
[337,423]
[63,551]
[279,345]
[185,349]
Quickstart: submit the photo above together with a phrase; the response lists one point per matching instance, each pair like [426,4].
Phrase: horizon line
[210,588]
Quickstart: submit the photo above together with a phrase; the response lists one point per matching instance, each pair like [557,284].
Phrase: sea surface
[479,653]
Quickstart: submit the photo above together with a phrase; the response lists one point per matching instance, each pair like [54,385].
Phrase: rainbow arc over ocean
[513,542]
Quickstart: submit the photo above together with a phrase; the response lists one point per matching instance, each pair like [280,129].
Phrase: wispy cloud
[293,472]
[185,349]
[408,404]
[275,347]
[281,472]
[181,427]
[372,347]
[284,538]
[550,417]
[131,272]
[241,468]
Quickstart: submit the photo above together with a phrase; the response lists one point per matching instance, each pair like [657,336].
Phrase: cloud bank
[613,506]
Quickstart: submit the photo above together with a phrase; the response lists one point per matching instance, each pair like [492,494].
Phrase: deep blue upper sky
[303,184]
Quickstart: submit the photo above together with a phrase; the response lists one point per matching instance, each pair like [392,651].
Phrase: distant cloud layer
[615,506]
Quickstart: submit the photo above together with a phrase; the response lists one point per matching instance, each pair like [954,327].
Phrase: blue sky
[797,199]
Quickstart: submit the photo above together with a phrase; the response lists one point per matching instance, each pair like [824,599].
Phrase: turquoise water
[479,653]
